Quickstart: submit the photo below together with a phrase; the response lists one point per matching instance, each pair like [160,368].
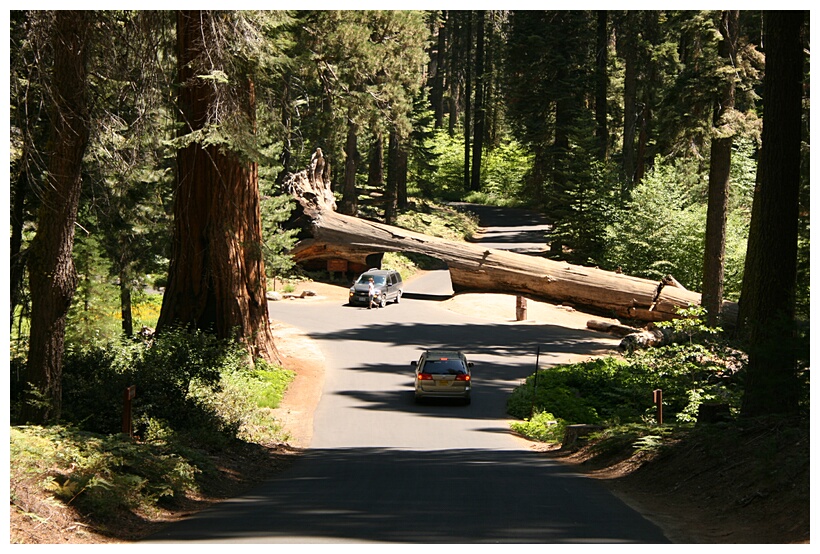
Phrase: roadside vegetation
[197,400]
[698,378]
[702,455]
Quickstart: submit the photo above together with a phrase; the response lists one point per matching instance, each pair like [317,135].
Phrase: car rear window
[451,366]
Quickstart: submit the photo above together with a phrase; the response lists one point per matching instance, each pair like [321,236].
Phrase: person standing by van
[371,293]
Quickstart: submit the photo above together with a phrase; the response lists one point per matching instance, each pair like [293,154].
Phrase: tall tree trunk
[52,276]
[557,179]
[17,256]
[767,301]
[392,189]
[631,115]
[601,84]
[492,123]
[478,131]
[437,89]
[375,172]
[401,177]
[454,34]
[350,196]
[468,110]
[216,280]
[720,164]
[125,306]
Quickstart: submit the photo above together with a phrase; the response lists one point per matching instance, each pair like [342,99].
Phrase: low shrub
[189,384]
[542,426]
[614,390]
[99,474]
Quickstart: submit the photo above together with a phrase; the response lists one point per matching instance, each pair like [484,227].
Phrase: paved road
[517,230]
[382,469]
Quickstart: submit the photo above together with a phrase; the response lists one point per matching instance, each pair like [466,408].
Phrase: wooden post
[130,393]
[520,308]
[657,397]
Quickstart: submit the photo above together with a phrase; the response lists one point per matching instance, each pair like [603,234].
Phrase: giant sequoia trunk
[216,281]
[474,268]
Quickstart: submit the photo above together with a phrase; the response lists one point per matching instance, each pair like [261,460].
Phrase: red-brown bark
[217,276]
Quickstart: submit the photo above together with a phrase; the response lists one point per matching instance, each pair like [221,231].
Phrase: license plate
[444,383]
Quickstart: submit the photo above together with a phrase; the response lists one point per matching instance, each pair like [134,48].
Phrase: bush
[660,230]
[188,384]
[612,390]
[100,474]
[543,426]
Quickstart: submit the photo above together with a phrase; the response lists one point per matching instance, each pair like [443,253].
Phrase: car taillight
[462,377]
[425,377]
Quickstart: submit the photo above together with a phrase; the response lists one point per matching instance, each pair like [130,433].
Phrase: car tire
[382,302]
[398,297]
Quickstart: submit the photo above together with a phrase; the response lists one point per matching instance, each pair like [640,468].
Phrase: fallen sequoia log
[335,237]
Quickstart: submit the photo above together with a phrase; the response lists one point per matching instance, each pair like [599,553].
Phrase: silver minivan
[443,374]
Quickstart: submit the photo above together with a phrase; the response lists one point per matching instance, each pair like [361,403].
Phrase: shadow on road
[477,339]
[409,496]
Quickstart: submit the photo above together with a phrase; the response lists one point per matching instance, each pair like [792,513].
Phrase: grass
[438,220]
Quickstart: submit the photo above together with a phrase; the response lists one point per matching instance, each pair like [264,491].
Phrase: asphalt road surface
[381,468]
[517,230]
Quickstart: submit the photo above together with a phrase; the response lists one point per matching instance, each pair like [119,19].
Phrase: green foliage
[659,231]
[611,390]
[636,436]
[447,182]
[188,384]
[591,204]
[277,241]
[245,399]
[542,426]
[404,264]
[438,220]
[268,384]
[502,173]
[690,322]
[103,475]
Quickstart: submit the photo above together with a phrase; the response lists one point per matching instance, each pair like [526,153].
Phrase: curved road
[382,469]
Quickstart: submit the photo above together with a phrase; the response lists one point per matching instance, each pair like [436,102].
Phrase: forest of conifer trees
[641,135]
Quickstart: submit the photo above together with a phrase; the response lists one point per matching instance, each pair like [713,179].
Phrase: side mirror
[414,363]
[469,364]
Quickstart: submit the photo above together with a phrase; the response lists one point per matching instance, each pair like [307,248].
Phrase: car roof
[444,353]
[380,271]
